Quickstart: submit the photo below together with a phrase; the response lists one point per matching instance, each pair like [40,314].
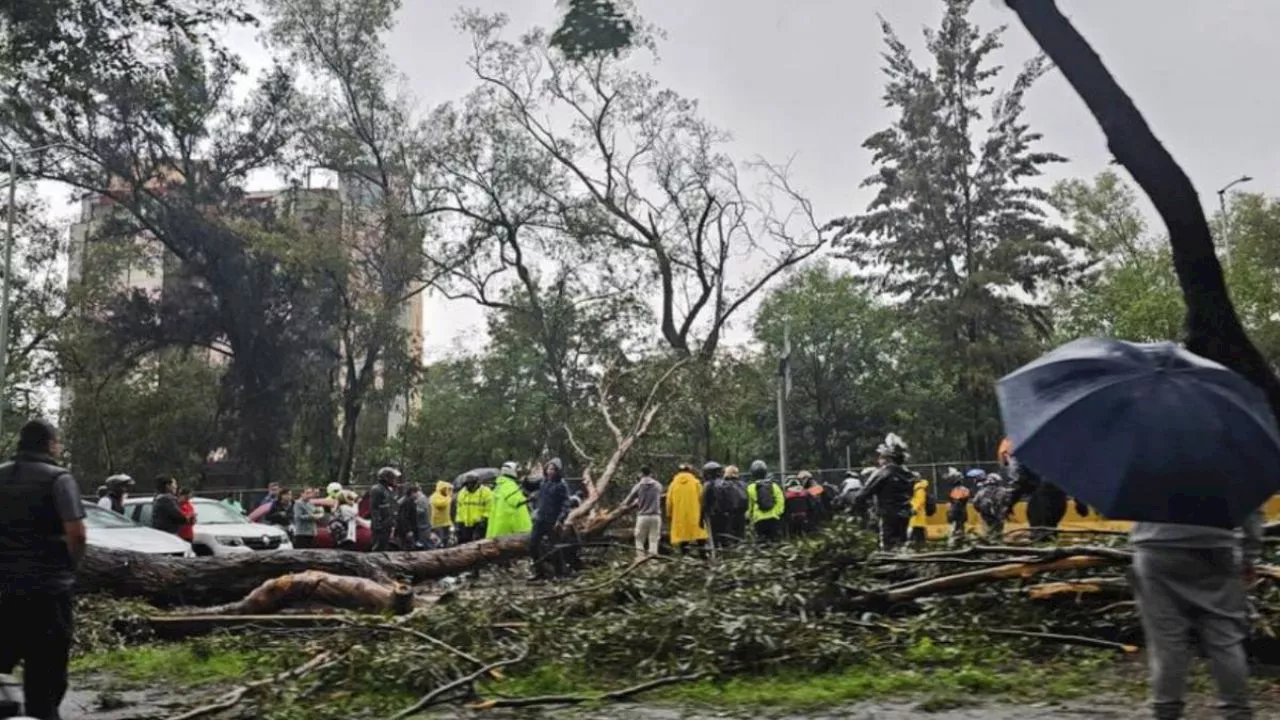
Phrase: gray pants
[1183,589]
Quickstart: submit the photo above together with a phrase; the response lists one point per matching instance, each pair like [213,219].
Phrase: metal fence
[617,490]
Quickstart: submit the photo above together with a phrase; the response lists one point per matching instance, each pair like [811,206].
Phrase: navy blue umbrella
[1144,432]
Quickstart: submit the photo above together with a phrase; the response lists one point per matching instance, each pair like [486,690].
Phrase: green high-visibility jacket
[774,513]
[510,514]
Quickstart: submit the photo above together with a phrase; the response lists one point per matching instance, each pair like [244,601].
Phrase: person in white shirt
[117,491]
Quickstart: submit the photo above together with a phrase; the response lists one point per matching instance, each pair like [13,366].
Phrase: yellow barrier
[938,527]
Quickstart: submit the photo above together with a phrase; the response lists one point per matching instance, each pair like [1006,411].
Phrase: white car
[106,529]
[219,529]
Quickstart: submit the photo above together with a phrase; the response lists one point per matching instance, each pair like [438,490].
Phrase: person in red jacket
[187,531]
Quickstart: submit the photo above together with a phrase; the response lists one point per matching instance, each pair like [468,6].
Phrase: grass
[188,665]
[940,675]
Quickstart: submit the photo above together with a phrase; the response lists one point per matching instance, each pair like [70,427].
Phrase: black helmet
[711,466]
[759,469]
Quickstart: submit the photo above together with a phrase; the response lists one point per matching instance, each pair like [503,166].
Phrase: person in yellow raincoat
[684,510]
[441,508]
[917,534]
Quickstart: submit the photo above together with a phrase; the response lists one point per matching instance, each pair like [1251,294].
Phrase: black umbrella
[1144,432]
[484,475]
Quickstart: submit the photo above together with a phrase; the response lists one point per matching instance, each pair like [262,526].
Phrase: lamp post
[1222,205]
[8,264]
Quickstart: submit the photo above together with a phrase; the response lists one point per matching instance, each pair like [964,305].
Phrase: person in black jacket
[1046,502]
[720,506]
[891,486]
[553,507]
[166,513]
[407,530]
[42,540]
[382,508]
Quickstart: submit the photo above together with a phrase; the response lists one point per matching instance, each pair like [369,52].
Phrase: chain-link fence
[617,490]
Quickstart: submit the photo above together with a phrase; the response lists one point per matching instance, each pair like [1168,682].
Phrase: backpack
[725,496]
[930,504]
[337,529]
[764,495]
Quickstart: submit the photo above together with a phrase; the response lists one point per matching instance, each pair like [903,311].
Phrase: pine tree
[956,231]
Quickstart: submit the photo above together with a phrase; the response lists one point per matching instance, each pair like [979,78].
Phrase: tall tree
[624,171]
[357,127]
[956,229]
[55,44]
[169,150]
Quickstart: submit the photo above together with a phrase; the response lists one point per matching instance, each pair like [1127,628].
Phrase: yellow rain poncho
[441,502]
[920,504]
[684,509]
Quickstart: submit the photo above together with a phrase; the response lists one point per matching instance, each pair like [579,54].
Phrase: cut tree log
[339,591]
[171,581]
[960,582]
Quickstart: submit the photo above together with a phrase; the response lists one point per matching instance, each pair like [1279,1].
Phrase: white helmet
[333,490]
[510,468]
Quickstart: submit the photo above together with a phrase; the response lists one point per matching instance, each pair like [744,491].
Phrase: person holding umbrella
[1185,448]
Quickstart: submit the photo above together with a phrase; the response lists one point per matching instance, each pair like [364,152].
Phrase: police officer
[42,539]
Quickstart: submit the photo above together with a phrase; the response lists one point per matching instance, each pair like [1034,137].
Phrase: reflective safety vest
[774,513]
[473,506]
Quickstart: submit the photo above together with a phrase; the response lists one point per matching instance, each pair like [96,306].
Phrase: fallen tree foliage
[826,601]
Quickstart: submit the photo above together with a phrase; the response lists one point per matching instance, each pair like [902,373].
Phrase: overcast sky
[801,79]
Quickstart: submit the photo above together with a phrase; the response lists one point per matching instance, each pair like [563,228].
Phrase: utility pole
[1222,205]
[784,392]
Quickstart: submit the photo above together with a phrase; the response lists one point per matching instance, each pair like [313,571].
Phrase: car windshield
[212,512]
[100,518]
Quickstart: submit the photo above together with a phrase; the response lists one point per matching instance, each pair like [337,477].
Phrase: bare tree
[595,166]
[636,170]
[625,430]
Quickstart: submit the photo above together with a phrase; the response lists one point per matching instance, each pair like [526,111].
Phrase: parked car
[364,538]
[219,529]
[106,529]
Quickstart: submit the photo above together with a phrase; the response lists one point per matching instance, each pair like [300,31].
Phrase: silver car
[106,529]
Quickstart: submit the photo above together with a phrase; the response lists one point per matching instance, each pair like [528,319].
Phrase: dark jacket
[553,504]
[407,517]
[166,514]
[891,486]
[382,508]
[36,496]
[279,515]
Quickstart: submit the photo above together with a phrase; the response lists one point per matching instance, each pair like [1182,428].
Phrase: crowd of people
[720,506]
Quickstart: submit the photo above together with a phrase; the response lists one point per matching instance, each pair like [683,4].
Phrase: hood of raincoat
[443,488]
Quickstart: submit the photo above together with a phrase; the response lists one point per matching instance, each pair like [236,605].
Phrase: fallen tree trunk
[208,581]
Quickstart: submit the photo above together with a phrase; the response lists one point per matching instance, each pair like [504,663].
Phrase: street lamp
[8,262]
[1222,205]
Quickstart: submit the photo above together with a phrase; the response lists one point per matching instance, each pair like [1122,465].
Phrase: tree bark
[209,581]
[1214,329]
[339,591]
